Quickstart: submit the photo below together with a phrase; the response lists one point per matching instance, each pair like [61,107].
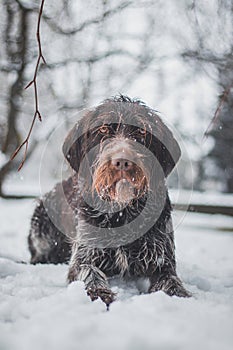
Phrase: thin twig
[218,110]
[34,83]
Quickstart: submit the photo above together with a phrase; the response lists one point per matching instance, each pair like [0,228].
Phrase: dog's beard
[119,186]
[124,191]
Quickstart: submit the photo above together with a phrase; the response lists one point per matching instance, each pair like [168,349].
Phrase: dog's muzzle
[120,173]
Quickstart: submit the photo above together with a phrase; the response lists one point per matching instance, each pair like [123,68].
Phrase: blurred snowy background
[175,55]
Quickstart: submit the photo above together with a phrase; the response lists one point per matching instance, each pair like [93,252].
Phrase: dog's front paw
[172,286]
[106,295]
[178,291]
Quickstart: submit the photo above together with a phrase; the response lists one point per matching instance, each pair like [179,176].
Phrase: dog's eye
[142,131]
[104,129]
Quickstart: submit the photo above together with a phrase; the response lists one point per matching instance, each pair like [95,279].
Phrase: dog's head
[126,149]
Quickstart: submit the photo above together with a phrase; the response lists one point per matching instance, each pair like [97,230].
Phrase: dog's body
[113,217]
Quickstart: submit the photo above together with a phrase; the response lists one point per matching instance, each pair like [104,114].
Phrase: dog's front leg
[169,283]
[95,280]
[96,284]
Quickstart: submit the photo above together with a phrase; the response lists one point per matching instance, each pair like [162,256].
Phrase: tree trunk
[16,52]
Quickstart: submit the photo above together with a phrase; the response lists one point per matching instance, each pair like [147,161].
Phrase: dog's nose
[122,164]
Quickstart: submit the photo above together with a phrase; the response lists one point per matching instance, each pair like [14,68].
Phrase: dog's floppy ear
[73,147]
[171,151]
[165,146]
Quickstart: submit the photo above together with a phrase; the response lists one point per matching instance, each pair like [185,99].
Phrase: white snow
[3,159]
[39,311]
[204,198]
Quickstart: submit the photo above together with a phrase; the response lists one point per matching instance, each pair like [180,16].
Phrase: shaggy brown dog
[113,217]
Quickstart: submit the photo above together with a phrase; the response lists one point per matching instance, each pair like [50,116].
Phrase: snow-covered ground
[38,310]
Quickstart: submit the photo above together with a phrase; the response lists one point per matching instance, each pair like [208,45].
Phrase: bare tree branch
[224,61]
[87,23]
[90,60]
[34,83]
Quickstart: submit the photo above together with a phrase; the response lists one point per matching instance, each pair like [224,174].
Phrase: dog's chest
[133,260]
[116,251]
[121,261]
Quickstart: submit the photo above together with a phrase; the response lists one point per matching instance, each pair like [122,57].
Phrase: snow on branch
[33,82]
